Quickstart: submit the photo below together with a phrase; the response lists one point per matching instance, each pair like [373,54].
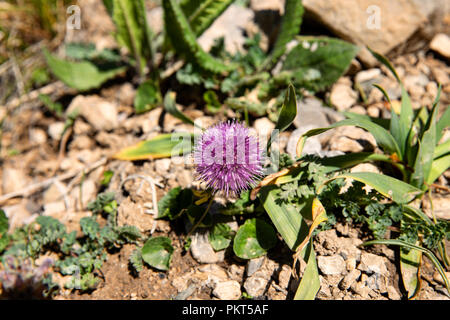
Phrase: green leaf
[133,31]
[157,252]
[205,13]
[316,63]
[147,96]
[171,107]
[438,167]
[389,187]
[55,107]
[195,213]
[290,27]
[174,202]
[162,146]
[287,115]
[442,149]
[351,159]
[4,224]
[90,227]
[184,41]
[310,283]
[107,176]
[212,101]
[383,138]
[284,216]
[386,62]
[410,270]
[80,75]
[220,236]
[241,206]
[443,122]
[253,239]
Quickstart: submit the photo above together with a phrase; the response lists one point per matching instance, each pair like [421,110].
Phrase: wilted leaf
[162,146]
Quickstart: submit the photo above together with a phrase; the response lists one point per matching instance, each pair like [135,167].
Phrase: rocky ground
[71,167]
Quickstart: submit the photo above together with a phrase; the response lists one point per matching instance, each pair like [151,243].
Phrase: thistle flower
[228,158]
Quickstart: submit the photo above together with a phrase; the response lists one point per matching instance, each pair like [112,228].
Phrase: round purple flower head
[228,158]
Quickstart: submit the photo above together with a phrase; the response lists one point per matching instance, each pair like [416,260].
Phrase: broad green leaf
[157,252]
[410,246]
[290,27]
[162,146]
[171,107]
[351,159]
[383,138]
[287,114]
[316,63]
[82,51]
[310,283]
[253,239]
[173,202]
[438,167]
[133,31]
[80,75]
[147,96]
[220,236]
[285,217]
[410,270]
[205,13]
[425,153]
[184,41]
[389,187]
[385,123]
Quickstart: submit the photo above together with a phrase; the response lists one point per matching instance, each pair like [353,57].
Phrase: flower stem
[202,217]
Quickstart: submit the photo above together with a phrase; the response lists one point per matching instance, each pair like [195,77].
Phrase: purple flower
[228,158]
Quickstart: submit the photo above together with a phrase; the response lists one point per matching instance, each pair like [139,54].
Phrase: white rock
[155,19]
[55,130]
[263,127]
[255,286]
[13,180]
[371,263]
[367,75]
[343,96]
[162,166]
[53,208]
[379,24]
[312,145]
[101,114]
[261,5]
[393,294]
[331,265]
[228,290]
[441,44]
[202,251]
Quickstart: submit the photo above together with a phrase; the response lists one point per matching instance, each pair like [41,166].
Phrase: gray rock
[377,282]
[202,251]
[228,290]
[311,111]
[331,265]
[255,286]
[312,144]
[254,265]
[284,276]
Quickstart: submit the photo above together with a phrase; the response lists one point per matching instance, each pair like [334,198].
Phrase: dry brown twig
[33,188]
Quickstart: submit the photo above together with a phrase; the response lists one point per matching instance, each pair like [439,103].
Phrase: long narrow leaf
[205,14]
[290,27]
[310,283]
[383,138]
[389,187]
[438,167]
[184,41]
